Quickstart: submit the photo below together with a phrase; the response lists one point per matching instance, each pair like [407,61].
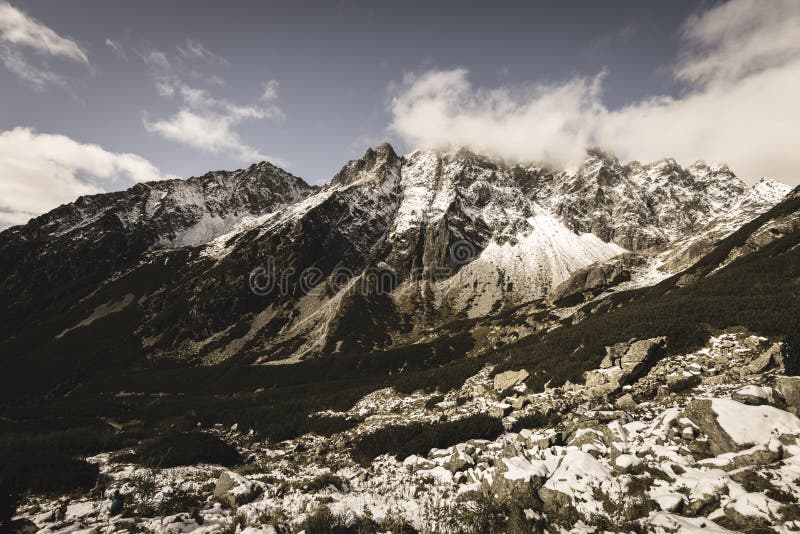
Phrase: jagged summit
[374,164]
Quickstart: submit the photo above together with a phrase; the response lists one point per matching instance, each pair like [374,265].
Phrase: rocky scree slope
[704,441]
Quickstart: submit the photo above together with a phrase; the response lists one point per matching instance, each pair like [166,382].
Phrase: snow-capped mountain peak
[768,191]
[460,233]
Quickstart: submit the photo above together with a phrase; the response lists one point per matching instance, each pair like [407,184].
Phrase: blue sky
[179,88]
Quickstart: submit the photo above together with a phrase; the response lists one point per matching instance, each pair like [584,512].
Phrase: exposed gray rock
[235,490]
[594,279]
[499,410]
[629,362]
[641,355]
[509,379]
[519,402]
[626,402]
[681,382]
[772,356]
[700,412]
[754,395]
[458,461]
[516,475]
[761,455]
[789,388]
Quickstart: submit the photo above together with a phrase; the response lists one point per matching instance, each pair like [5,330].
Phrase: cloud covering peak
[741,64]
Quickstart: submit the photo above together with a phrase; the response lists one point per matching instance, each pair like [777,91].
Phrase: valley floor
[701,442]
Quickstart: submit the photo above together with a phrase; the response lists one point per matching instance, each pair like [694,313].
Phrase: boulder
[758,455]
[417,463]
[613,355]
[588,438]
[627,403]
[629,362]
[499,409]
[699,411]
[640,356]
[625,462]
[519,403]
[594,279]
[731,426]
[754,395]
[574,485]
[751,510]
[772,356]
[682,381]
[509,379]
[789,388]
[517,474]
[235,490]
[458,461]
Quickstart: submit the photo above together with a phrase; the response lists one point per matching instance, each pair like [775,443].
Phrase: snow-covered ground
[704,442]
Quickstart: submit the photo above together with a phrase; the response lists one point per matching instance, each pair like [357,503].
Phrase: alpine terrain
[434,342]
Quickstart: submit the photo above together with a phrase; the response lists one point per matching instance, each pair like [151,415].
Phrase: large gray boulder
[640,357]
[594,279]
[574,486]
[769,358]
[789,388]
[235,490]
[517,475]
[699,411]
[509,379]
[624,363]
[731,426]
[754,395]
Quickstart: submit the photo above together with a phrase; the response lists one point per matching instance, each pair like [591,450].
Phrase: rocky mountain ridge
[392,247]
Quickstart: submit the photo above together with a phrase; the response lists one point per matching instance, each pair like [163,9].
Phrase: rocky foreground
[706,441]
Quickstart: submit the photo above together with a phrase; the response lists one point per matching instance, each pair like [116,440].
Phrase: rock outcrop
[623,364]
[509,379]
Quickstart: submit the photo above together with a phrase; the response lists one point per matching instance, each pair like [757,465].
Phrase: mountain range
[257,266]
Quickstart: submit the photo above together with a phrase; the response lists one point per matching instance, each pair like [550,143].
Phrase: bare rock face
[700,412]
[641,355]
[772,356]
[235,489]
[754,395]
[789,388]
[594,279]
[517,475]
[509,379]
[624,363]
[681,382]
[186,251]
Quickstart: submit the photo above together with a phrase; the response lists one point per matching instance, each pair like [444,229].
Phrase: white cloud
[21,35]
[740,38]
[270,91]
[196,50]
[42,171]
[442,110]
[216,80]
[17,28]
[742,64]
[117,48]
[205,122]
[36,77]
[209,131]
